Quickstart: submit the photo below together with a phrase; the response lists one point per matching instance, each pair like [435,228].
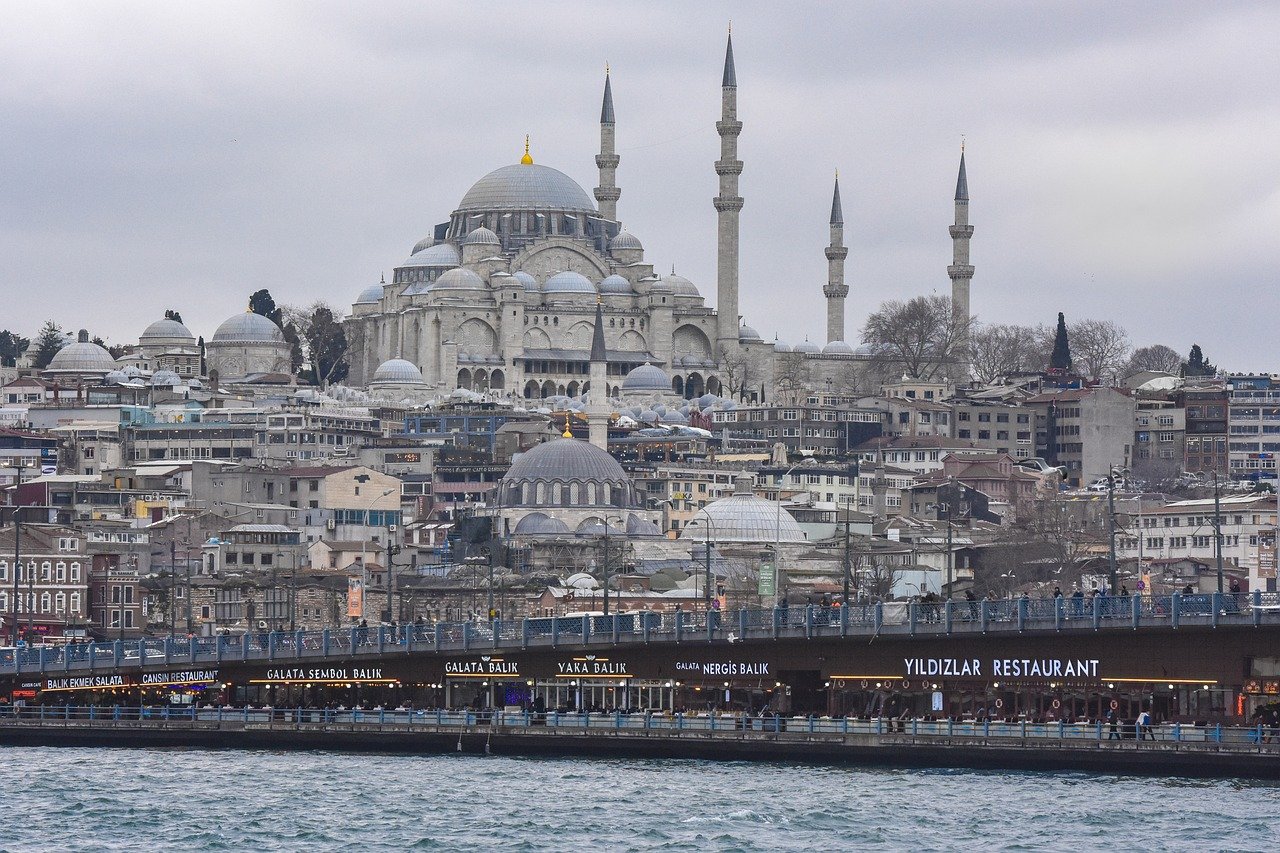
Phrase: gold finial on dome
[568,433]
[526,160]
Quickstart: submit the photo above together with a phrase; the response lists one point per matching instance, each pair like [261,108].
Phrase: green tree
[170,314]
[326,346]
[1197,365]
[12,346]
[48,342]
[262,303]
[1060,359]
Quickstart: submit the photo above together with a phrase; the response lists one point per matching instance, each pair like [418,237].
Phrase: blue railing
[1260,737]
[889,618]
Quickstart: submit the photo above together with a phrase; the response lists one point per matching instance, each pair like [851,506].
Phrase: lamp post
[364,563]
[1111,524]
[607,519]
[707,545]
[17,550]
[777,536]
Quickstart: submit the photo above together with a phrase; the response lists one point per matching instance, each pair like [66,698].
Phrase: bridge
[959,620]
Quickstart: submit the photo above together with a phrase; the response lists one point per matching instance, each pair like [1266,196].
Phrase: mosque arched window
[591,494]
[573,494]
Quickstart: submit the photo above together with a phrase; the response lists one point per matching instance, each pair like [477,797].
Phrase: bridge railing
[1263,738]
[910,618]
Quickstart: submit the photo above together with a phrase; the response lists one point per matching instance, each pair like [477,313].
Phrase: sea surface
[190,799]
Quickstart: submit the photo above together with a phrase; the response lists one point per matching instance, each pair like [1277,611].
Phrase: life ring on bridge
[1115,703]
[906,685]
[1057,703]
[864,684]
[999,703]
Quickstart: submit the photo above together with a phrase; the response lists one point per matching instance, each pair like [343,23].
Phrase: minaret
[836,290]
[728,203]
[598,401]
[961,271]
[606,161]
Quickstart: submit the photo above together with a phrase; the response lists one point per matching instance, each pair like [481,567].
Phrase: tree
[1060,359]
[791,375]
[1101,348]
[1050,542]
[923,335]
[324,342]
[997,350]
[1197,365]
[736,371]
[262,303]
[170,314]
[115,350]
[1157,357]
[48,342]
[12,346]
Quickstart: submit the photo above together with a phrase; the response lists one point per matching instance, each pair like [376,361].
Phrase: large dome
[439,255]
[248,328]
[744,518]
[167,332]
[526,187]
[566,472]
[568,282]
[82,356]
[646,379]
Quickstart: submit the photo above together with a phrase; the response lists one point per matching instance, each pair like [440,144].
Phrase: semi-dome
[459,279]
[744,518]
[526,186]
[625,240]
[398,371]
[372,293]
[540,524]
[808,347]
[680,285]
[166,331]
[566,472]
[83,356]
[165,379]
[248,327]
[482,237]
[746,333]
[837,348]
[646,379]
[568,282]
[530,283]
[439,255]
[615,284]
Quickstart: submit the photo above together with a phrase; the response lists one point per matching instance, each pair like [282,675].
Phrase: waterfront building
[46,590]
[1253,425]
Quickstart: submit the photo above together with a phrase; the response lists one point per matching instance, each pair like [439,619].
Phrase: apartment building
[1253,426]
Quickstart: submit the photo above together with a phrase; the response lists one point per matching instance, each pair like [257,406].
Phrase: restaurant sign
[85,682]
[589,666]
[323,673]
[485,666]
[1002,667]
[723,669]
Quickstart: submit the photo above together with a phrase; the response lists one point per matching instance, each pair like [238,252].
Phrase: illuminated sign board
[482,667]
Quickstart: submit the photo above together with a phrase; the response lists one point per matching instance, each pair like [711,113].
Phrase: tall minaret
[961,271]
[836,290]
[606,161]
[728,203]
[598,400]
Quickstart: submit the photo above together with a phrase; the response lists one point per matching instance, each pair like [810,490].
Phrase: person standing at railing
[1144,725]
[973,604]
[1113,725]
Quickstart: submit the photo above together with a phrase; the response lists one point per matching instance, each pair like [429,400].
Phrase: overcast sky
[1124,159]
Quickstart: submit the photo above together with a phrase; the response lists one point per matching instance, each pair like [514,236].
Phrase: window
[1201,541]
[75,602]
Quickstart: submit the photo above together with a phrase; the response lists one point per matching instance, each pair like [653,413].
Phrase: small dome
[115,377]
[680,285]
[167,331]
[248,328]
[615,284]
[779,346]
[165,379]
[372,293]
[540,524]
[671,416]
[837,348]
[807,347]
[458,279]
[530,283]
[637,526]
[439,255]
[568,282]
[657,284]
[398,371]
[567,472]
[131,371]
[625,240]
[648,416]
[647,379]
[482,237]
[422,244]
[746,333]
[83,356]
[744,518]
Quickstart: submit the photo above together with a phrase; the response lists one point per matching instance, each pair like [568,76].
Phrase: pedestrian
[1057,591]
[1113,725]
[973,604]
[1144,725]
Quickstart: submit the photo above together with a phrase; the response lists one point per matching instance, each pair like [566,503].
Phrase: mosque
[500,297]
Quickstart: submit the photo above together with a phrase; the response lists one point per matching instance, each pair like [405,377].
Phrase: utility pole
[173,588]
[1111,526]
[17,554]
[848,569]
[951,484]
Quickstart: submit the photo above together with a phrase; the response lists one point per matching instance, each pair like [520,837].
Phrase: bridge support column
[1097,612]
[947,615]
[1257,607]
[1022,614]
[911,618]
[324,642]
[1135,609]
[1057,613]
[742,622]
[297,643]
[879,616]
[524,633]
[1217,607]
[244,646]
[985,613]
[1175,609]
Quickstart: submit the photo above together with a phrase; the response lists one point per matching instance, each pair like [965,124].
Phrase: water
[180,799]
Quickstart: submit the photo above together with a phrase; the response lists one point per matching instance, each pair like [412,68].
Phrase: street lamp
[777,534]
[364,563]
[17,548]
[1111,522]
[607,519]
[707,545]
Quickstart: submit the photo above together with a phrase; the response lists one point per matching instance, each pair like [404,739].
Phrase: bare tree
[737,371]
[325,346]
[1099,348]
[999,350]
[1049,542]
[876,575]
[791,374]
[922,334]
[1157,357]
